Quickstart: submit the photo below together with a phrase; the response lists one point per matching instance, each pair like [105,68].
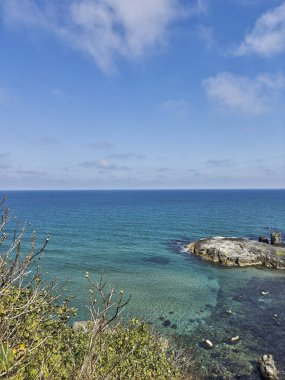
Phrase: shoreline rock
[276,238]
[240,252]
[268,368]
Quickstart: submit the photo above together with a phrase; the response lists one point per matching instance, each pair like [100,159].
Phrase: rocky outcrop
[267,368]
[238,252]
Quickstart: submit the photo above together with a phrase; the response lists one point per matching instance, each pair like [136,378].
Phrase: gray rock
[85,326]
[276,238]
[238,252]
[207,344]
[263,239]
[268,368]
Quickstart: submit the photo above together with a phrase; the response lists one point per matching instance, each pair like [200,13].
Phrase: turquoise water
[137,237]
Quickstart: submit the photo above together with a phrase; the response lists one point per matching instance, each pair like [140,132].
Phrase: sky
[132,94]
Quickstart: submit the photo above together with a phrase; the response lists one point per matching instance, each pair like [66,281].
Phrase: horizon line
[150,189]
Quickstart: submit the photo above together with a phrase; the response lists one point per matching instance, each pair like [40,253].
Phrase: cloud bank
[104,29]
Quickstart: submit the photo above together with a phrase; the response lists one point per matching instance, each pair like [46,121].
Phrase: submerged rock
[166,323]
[268,368]
[238,252]
[234,339]
[207,344]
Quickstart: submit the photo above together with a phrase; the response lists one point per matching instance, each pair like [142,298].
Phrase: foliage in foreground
[36,341]
[130,353]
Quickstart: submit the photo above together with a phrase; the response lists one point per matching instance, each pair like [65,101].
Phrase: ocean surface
[136,238]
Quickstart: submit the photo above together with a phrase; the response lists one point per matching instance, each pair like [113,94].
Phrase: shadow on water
[157,260]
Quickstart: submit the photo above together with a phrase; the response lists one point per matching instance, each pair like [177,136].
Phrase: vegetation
[36,341]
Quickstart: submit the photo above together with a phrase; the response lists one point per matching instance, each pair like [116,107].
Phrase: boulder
[230,251]
[207,344]
[268,368]
[83,326]
[276,238]
[86,326]
[263,239]
[234,339]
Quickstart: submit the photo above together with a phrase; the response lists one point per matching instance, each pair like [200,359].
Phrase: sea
[136,238]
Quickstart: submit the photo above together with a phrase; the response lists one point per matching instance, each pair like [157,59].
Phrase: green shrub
[35,338]
[131,352]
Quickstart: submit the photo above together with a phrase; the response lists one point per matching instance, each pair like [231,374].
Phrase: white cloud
[100,164]
[103,165]
[268,35]
[126,156]
[104,29]
[179,107]
[242,94]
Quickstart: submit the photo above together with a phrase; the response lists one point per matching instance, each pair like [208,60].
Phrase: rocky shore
[230,251]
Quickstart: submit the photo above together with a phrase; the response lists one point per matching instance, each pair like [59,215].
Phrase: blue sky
[115,94]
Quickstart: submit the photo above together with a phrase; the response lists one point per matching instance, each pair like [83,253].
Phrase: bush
[35,340]
[129,352]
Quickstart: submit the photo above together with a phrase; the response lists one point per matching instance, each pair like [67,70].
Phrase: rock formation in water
[267,368]
[238,252]
[276,238]
[263,239]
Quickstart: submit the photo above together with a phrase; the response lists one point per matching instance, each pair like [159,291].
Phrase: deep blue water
[136,238]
